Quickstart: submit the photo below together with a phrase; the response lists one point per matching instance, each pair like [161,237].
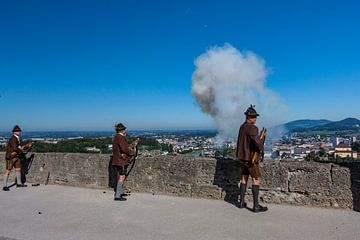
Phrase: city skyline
[71,65]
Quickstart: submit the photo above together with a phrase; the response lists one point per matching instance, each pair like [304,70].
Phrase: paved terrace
[58,212]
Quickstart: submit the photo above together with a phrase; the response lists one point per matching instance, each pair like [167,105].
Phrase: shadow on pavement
[227,177]
[355,184]
[112,175]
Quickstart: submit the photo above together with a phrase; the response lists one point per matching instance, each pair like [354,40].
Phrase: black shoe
[120,199]
[21,185]
[259,208]
[242,204]
[124,195]
[6,189]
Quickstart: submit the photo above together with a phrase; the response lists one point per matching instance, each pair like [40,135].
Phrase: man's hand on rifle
[262,156]
[136,141]
[27,146]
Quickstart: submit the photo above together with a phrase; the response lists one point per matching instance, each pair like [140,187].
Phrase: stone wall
[290,182]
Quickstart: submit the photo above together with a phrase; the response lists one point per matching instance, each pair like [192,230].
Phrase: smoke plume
[225,83]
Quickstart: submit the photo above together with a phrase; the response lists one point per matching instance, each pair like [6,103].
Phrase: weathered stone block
[341,194]
[309,178]
[275,176]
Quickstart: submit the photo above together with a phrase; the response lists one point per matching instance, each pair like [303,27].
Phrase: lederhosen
[121,170]
[248,168]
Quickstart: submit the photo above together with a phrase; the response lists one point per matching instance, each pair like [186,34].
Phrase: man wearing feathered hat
[120,159]
[248,143]
[14,148]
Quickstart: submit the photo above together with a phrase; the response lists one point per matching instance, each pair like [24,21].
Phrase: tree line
[103,144]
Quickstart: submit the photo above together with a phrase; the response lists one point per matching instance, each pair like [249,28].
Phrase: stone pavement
[58,212]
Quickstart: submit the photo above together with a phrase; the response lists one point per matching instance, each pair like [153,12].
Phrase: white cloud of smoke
[225,83]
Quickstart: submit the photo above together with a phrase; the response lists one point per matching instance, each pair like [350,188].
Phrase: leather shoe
[6,189]
[259,208]
[120,199]
[241,204]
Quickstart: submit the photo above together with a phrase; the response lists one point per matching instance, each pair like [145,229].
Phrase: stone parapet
[290,182]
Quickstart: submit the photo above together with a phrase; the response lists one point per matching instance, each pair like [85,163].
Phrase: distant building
[331,151]
[338,140]
[2,141]
[92,149]
[207,153]
[300,153]
[300,150]
[344,151]
[285,153]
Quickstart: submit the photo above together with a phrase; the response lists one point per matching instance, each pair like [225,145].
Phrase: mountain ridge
[310,125]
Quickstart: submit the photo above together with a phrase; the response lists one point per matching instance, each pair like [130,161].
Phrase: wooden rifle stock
[256,155]
[26,148]
[132,146]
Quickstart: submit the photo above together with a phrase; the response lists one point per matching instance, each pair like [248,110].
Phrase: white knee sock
[119,189]
[18,178]
[5,181]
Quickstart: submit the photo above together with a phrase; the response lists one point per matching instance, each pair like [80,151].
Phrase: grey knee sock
[119,189]
[18,178]
[5,181]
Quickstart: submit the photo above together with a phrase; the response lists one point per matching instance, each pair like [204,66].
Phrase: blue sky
[84,65]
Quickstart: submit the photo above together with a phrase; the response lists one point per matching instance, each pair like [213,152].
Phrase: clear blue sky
[84,65]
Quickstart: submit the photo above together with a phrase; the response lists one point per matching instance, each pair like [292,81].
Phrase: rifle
[133,147]
[257,155]
[132,161]
[26,148]
[47,179]
[25,166]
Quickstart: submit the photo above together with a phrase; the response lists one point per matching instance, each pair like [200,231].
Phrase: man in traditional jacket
[120,160]
[248,143]
[14,148]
